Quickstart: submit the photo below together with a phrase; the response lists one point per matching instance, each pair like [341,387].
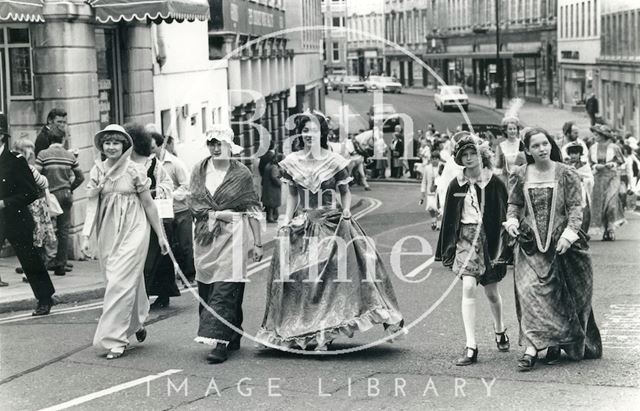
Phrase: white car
[450,96]
[386,84]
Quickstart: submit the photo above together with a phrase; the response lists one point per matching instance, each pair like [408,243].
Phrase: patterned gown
[300,313]
[553,292]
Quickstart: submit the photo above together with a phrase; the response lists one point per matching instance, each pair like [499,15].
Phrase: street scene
[282,204]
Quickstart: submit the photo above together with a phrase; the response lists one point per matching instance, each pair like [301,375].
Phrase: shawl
[311,173]
[235,193]
[493,199]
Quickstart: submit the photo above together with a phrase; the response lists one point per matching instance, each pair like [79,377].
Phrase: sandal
[527,362]
[115,353]
[502,342]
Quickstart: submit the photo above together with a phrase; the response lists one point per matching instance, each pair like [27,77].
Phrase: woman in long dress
[225,208]
[324,286]
[605,156]
[509,153]
[121,210]
[553,273]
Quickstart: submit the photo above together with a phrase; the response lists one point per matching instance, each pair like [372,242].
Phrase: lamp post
[498,62]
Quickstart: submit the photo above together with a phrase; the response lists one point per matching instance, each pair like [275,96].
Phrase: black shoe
[60,271]
[19,270]
[160,302]
[68,264]
[467,359]
[503,341]
[218,355]
[141,334]
[234,345]
[367,188]
[553,355]
[42,309]
[527,362]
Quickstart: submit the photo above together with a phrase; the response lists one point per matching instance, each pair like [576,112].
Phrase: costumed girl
[122,211]
[553,274]
[509,153]
[575,152]
[225,207]
[605,156]
[470,239]
[323,286]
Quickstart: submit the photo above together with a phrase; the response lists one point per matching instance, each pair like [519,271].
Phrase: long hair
[555,155]
[302,119]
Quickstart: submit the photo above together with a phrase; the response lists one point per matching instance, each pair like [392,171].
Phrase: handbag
[165,207]
[54,206]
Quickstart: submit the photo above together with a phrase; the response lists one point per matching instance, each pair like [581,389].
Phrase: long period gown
[300,313]
[123,239]
[606,208]
[553,292]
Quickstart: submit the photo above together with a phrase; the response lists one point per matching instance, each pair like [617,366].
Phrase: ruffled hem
[210,341]
[322,338]
[345,181]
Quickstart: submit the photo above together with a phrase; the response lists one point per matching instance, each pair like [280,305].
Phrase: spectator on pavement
[397,152]
[272,188]
[56,125]
[592,107]
[62,170]
[18,189]
[44,236]
[571,134]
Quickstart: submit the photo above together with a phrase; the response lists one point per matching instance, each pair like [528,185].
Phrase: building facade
[457,39]
[190,91]
[93,60]
[304,20]
[618,72]
[249,35]
[334,16]
[578,49]
[365,54]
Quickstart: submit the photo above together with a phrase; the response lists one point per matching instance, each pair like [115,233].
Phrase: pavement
[531,114]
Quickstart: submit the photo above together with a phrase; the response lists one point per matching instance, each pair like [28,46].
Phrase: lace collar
[310,172]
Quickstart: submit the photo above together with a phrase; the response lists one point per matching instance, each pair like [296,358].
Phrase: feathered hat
[511,115]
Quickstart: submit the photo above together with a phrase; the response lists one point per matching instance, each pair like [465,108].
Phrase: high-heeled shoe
[502,341]
[527,362]
[467,359]
[553,355]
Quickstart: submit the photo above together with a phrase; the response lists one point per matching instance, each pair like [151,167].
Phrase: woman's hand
[563,246]
[257,253]
[84,246]
[513,231]
[346,214]
[225,216]
[164,245]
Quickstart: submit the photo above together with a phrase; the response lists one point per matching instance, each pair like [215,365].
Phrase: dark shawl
[236,193]
[493,200]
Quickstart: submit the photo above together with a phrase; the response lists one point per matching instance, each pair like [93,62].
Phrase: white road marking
[109,391]
[621,327]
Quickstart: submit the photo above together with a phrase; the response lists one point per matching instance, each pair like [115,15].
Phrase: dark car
[384,115]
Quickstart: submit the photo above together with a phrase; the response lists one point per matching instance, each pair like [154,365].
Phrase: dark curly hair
[302,119]
[141,138]
[555,155]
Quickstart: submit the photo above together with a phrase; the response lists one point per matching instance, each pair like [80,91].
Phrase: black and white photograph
[319,204]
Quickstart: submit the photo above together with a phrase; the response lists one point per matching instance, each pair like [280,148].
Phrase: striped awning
[117,10]
[21,10]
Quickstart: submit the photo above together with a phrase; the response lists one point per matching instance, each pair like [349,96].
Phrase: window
[572,23]
[561,22]
[335,22]
[335,52]
[595,14]
[582,20]
[15,49]
[588,19]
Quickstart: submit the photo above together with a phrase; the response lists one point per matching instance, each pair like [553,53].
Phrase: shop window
[335,52]
[15,47]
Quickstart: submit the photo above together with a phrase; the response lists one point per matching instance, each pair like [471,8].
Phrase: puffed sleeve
[516,197]
[343,179]
[91,206]
[140,179]
[573,203]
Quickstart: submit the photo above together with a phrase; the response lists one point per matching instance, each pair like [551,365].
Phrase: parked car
[384,114]
[449,96]
[384,83]
[352,83]
[332,81]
